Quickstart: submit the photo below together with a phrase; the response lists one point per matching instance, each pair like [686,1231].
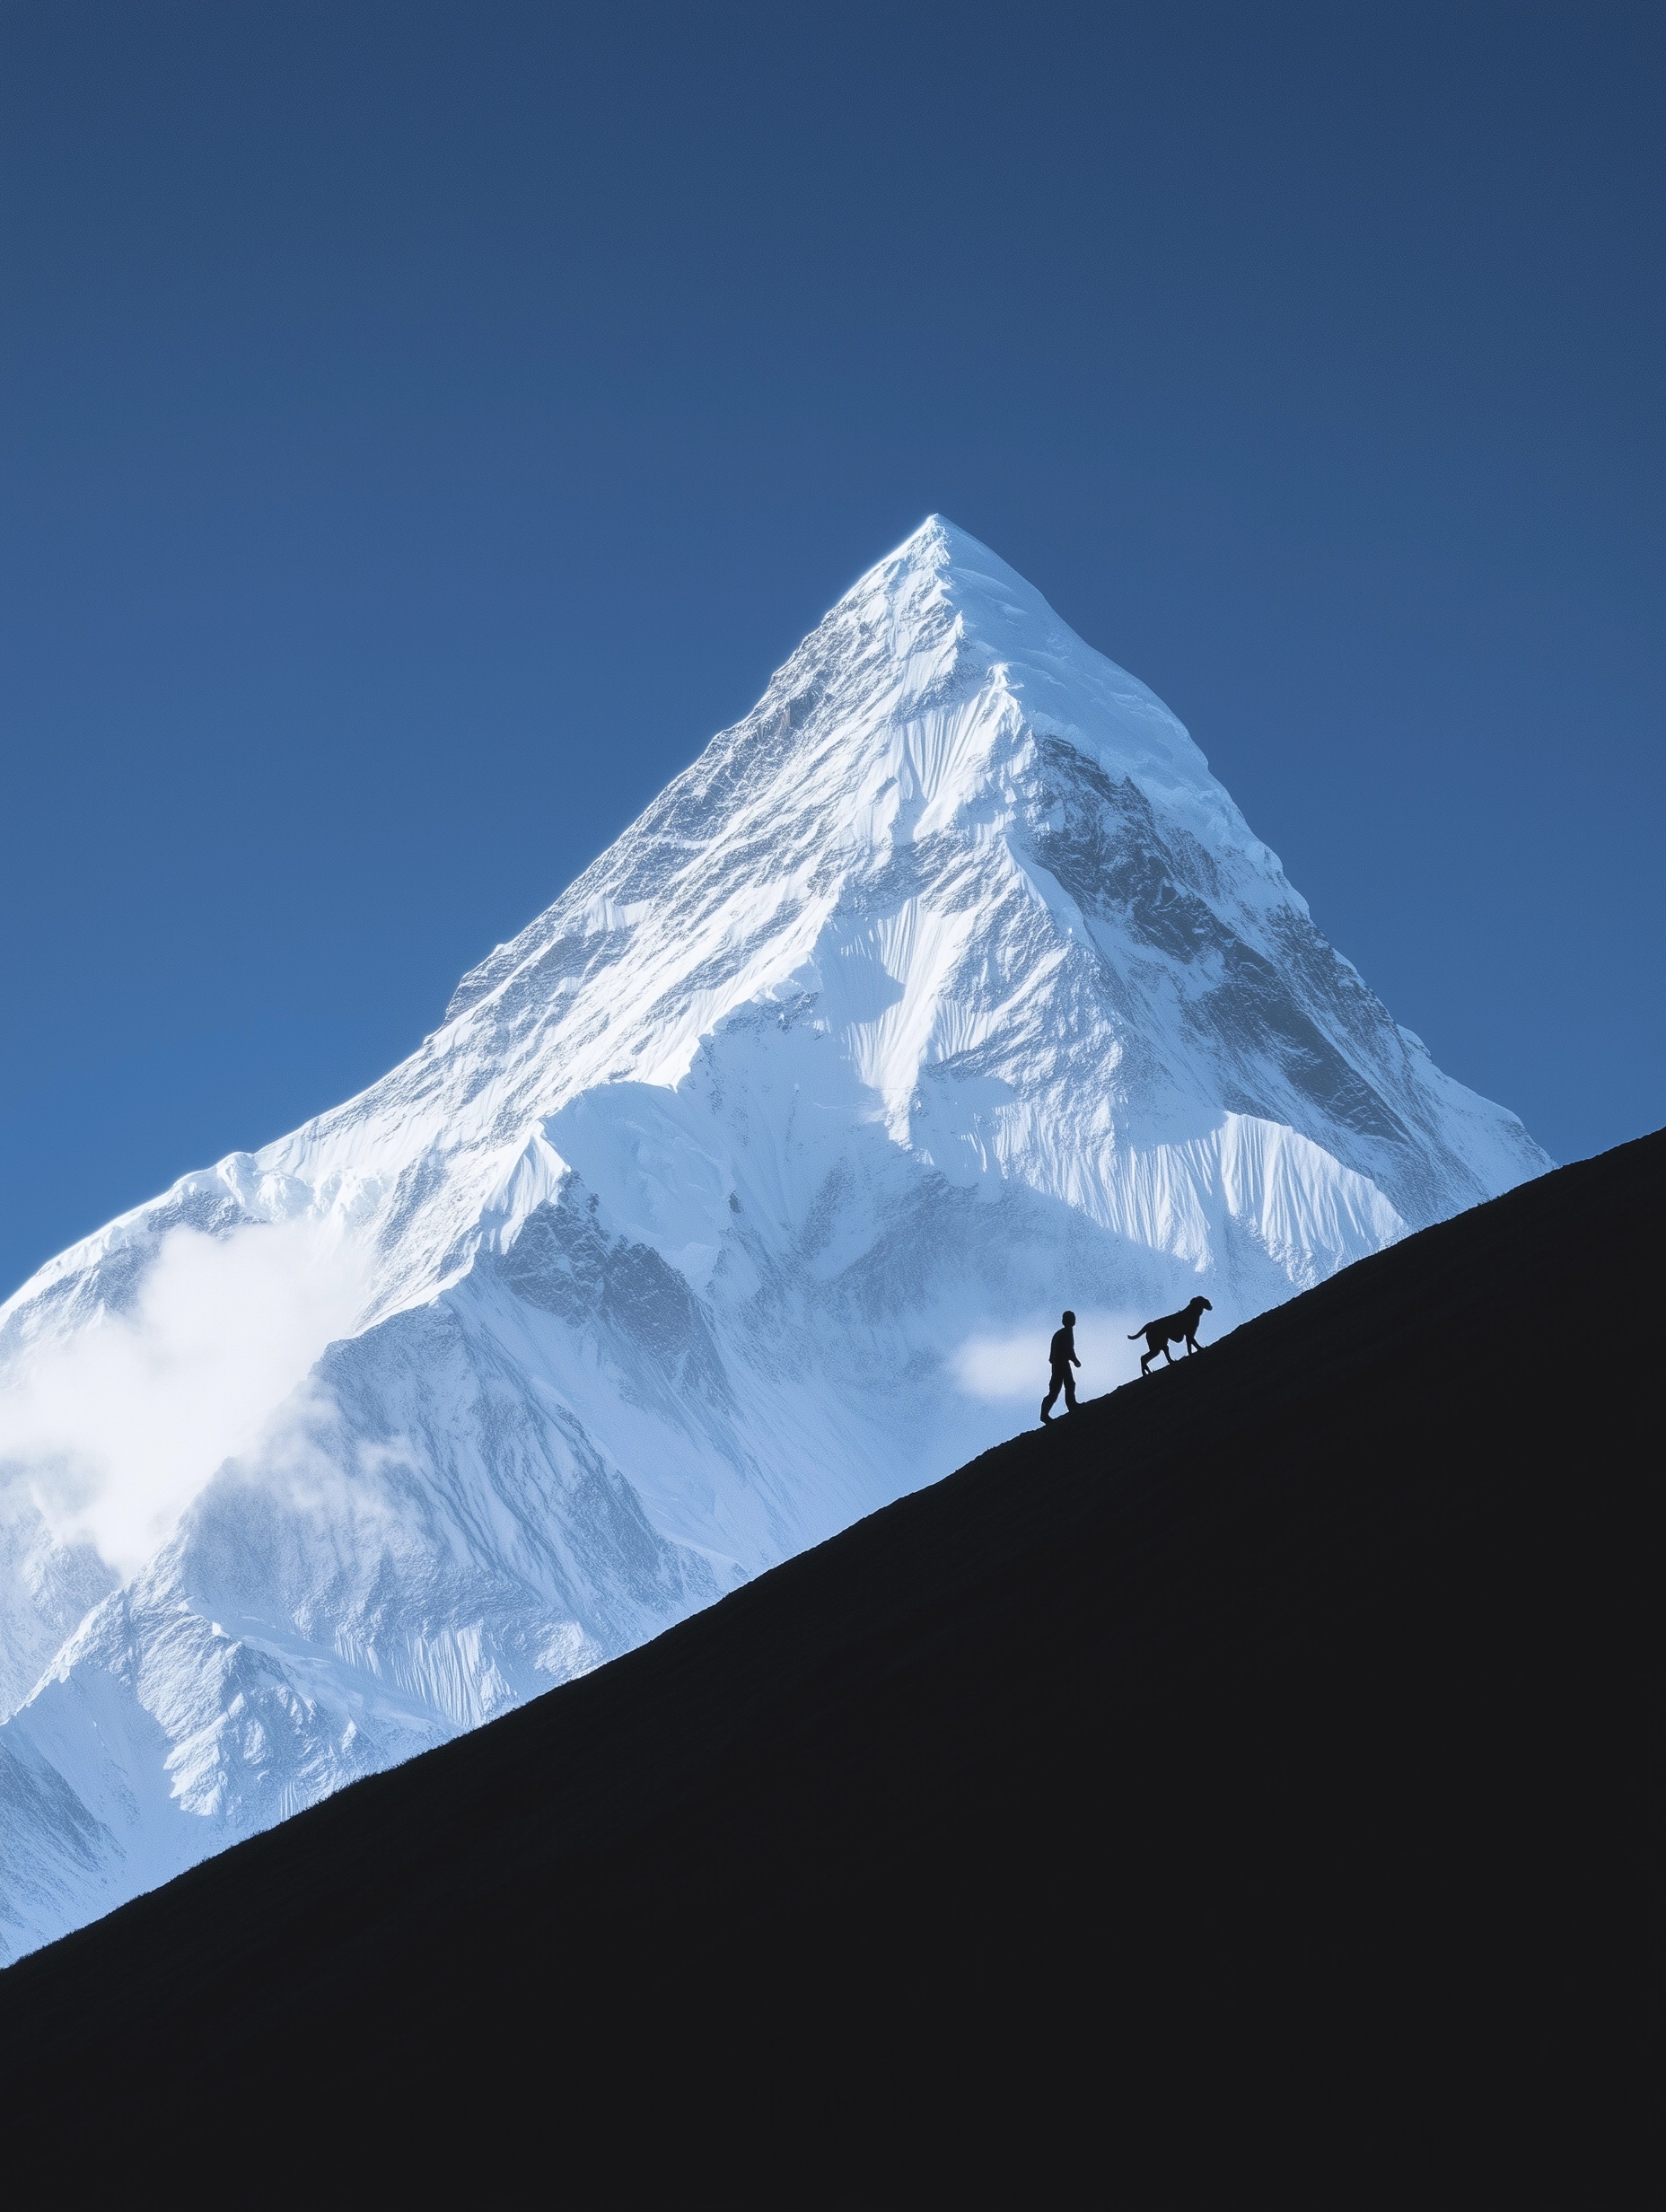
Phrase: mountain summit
[732,1200]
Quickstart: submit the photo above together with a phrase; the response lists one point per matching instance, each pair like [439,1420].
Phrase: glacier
[734,1198]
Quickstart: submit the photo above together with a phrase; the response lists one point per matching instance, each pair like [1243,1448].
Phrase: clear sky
[423,426]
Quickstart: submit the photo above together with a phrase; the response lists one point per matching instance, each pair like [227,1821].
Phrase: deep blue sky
[423,426]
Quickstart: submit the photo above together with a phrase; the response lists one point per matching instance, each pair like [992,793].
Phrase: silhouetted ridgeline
[1234,1796]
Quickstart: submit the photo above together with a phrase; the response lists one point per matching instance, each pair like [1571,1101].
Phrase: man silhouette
[1063,1355]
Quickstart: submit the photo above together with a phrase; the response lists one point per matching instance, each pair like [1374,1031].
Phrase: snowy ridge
[947,984]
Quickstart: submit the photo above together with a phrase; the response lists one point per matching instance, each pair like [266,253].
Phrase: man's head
[1070,1320]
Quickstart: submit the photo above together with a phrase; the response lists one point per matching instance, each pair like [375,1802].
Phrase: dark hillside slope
[1234,1796]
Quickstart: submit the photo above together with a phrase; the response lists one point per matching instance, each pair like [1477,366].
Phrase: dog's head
[1200,1304]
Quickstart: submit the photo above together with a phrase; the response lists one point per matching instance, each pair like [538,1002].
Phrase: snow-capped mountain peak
[731,1198]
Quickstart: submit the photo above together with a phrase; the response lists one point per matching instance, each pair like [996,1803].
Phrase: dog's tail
[1135,1334]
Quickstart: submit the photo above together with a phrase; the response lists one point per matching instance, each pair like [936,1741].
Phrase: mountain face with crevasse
[735,1197]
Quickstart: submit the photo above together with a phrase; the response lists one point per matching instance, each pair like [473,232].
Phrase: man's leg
[1070,1390]
[1047,1403]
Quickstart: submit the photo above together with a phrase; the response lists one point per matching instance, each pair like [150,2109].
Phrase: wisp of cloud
[115,1429]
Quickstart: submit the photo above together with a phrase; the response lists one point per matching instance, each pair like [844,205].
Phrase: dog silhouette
[1179,1328]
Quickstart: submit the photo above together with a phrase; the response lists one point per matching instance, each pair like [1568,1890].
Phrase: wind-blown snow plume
[737,1194]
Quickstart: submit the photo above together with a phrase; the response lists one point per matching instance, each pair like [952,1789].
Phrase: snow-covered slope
[734,1198]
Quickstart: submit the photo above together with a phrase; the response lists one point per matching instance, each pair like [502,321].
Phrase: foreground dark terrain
[1235,1796]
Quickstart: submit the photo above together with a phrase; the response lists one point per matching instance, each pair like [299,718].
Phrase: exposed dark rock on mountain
[1232,1796]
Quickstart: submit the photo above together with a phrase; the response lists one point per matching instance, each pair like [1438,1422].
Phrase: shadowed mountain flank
[1232,1795]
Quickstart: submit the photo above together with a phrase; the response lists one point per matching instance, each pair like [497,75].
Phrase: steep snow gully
[731,1200]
